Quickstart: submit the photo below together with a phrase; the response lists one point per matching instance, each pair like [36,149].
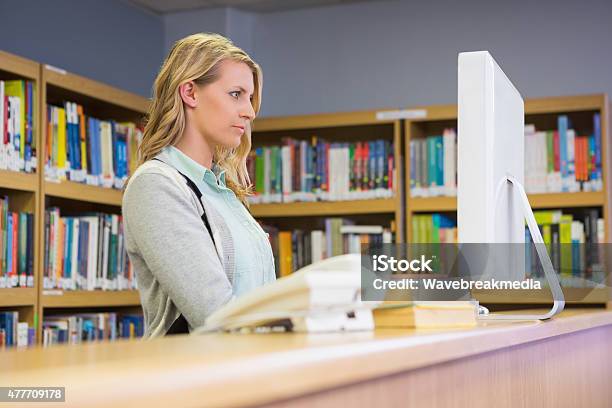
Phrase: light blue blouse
[253,253]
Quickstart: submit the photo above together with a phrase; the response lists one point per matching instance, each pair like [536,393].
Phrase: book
[426,315]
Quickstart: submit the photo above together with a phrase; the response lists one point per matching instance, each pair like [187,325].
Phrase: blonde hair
[196,58]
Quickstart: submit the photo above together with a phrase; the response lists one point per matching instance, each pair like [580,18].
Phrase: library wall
[237,24]
[90,38]
[389,53]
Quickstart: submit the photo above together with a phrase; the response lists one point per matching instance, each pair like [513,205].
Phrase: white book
[333,162]
[354,244]
[361,229]
[449,165]
[542,162]
[316,245]
[387,236]
[346,160]
[316,299]
[22,334]
[107,153]
[92,252]
[56,254]
[105,249]
[573,185]
[286,166]
[75,252]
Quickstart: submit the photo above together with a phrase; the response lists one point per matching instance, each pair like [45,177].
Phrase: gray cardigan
[178,268]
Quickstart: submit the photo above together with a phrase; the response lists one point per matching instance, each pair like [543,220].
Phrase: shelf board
[83,192]
[572,295]
[94,89]
[83,298]
[18,65]
[320,120]
[17,180]
[17,297]
[324,208]
[547,200]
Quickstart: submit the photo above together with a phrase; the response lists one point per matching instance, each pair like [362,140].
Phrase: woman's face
[224,106]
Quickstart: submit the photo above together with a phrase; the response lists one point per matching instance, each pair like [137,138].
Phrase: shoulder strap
[198,194]
[180,325]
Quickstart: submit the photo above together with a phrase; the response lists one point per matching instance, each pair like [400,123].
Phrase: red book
[364,166]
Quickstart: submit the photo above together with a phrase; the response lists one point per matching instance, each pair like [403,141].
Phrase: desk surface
[230,369]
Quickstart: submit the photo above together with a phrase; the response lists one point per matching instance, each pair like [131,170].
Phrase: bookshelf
[104,102]
[22,189]
[543,113]
[334,127]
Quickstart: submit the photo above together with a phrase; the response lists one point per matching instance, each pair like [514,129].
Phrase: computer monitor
[492,206]
[490,147]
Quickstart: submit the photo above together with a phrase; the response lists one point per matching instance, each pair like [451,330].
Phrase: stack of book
[17,113]
[574,244]
[301,170]
[14,333]
[87,327]
[563,160]
[16,247]
[86,252]
[88,150]
[433,165]
[433,228]
[298,248]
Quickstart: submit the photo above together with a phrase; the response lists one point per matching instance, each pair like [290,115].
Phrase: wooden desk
[566,362]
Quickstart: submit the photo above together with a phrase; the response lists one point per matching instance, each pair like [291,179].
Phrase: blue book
[597,134]
[67,248]
[371,165]
[576,258]
[29,123]
[380,160]
[439,160]
[563,125]
[431,162]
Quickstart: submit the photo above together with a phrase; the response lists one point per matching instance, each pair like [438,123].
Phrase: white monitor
[492,206]
[490,147]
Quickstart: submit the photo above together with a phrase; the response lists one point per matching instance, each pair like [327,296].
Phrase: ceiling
[260,6]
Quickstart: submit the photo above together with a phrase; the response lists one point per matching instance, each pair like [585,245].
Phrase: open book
[321,297]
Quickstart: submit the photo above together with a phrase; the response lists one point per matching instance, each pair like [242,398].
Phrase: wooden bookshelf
[323,209]
[18,181]
[540,110]
[538,201]
[23,189]
[18,297]
[543,112]
[342,126]
[82,299]
[82,192]
[104,102]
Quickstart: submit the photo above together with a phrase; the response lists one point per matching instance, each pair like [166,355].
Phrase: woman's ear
[188,94]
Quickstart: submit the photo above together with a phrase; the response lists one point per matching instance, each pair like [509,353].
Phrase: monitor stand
[549,272]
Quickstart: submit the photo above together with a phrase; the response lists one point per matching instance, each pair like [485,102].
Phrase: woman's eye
[235,94]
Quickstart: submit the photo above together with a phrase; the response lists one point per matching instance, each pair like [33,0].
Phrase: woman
[192,254]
